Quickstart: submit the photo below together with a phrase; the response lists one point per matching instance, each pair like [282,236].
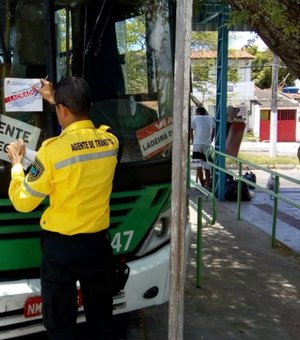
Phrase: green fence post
[239,193]
[199,243]
[275,207]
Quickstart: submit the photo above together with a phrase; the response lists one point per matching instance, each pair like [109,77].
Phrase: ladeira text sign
[156,137]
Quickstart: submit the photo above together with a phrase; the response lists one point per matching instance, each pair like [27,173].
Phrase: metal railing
[201,214]
[237,174]
[275,195]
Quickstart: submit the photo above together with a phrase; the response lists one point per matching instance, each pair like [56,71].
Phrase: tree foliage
[203,70]
[136,55]
[204,41]
[136,33]
[277,24]
[261,69]
[203,81]
[204,76]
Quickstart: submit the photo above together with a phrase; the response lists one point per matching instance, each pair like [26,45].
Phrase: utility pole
[273,117]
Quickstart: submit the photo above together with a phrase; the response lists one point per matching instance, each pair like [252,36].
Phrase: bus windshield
[127,60]
[124,49]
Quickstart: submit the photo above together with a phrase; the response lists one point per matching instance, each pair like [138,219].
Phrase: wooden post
[179,167]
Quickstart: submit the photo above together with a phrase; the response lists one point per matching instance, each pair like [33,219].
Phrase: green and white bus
[125,50]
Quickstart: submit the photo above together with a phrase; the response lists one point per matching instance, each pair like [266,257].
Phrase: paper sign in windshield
[155,138]
[19,96]
[12,129]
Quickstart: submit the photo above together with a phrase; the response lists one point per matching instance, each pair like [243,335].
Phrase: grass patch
[249,137]
[265,159]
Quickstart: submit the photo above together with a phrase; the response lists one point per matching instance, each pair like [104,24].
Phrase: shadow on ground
[249,290]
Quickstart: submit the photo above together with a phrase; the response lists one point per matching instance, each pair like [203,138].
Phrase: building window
[265,115]
[286,114]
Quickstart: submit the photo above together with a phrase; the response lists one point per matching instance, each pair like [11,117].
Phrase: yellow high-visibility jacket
[76,171]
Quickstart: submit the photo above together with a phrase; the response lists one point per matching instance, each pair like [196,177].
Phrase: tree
[135,54]
[261,69]
[204,41]
[204,68]
[277,24]
[203,81]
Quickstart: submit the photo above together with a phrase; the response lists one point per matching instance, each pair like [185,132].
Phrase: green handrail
[212,154]
[210,219]
[201,214]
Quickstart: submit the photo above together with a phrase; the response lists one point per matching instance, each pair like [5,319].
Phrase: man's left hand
[16,151]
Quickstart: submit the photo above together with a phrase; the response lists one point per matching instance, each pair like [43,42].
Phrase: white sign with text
[156,137]
[13,129]
[19,96]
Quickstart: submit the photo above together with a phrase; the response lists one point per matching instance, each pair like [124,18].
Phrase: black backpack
[231,189]
[250,176]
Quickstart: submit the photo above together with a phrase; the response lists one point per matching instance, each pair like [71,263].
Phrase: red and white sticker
[19,96]
[155,138]
[33,305]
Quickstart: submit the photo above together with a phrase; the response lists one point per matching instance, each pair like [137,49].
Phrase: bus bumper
[147,285]
[148,281]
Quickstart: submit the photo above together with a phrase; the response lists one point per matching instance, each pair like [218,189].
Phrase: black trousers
[66,259]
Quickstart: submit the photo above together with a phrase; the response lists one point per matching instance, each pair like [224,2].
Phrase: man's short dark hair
[200,110]
[74,93]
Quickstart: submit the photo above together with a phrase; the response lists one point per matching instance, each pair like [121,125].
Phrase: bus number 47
[122,240]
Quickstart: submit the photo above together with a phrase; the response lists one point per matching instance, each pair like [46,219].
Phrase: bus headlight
[159,227]
[158,235]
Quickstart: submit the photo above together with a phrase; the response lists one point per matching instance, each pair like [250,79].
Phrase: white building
[240,92]
[288,115]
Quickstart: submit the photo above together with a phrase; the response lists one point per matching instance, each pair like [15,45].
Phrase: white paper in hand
[28,158]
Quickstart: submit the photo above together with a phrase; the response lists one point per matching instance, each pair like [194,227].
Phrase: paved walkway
[259,211]
[249,290]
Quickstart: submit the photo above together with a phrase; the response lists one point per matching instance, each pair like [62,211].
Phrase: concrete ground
[248,290]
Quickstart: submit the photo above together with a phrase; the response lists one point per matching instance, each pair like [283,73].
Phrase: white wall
[242,90]
[255,120]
